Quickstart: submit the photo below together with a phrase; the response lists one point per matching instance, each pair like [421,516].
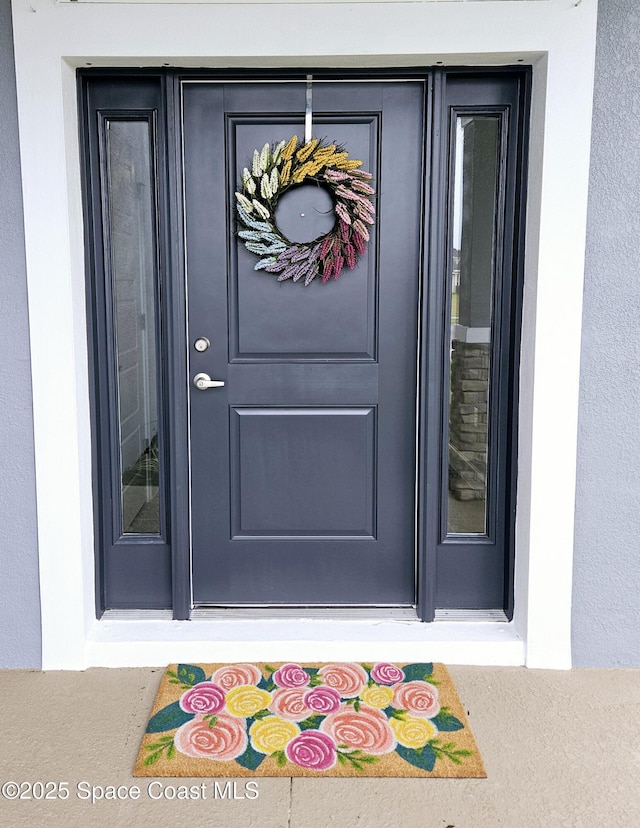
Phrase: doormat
[312,720]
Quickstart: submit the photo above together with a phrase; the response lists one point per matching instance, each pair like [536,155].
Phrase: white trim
[557,37]
[148,643]
[287,2]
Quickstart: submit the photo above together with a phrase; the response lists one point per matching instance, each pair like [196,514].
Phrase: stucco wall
[19,589]
[606,600]
[606,595]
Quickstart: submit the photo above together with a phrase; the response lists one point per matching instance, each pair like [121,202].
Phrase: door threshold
[468,615]
[322,613]
[364,613]
[142,639]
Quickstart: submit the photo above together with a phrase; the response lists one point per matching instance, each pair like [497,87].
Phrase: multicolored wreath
[275,170]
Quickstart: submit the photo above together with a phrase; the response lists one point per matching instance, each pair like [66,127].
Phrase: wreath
[274,170]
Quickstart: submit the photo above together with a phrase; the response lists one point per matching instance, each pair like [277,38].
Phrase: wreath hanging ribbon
[274,170]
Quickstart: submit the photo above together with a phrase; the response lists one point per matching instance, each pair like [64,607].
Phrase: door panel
[262,324]
[303,464]
[294,453]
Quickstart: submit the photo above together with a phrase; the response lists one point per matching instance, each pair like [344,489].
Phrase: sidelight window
[130,220]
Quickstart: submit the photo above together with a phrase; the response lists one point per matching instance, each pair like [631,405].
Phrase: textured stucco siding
[606,596]
[19,589]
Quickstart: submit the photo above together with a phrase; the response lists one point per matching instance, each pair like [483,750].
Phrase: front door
[299,480]
[303,464]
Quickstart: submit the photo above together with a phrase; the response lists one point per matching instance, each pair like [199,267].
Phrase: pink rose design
[347,679]
[313,750]
[385,673]
[322,699]
[289,703]
[235,675]
[205,697]
[291,675]
[226,740]
[418,698]
[367,730]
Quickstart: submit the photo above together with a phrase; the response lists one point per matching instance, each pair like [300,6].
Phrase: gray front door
[303,464]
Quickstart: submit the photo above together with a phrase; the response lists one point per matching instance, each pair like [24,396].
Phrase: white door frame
[557,37]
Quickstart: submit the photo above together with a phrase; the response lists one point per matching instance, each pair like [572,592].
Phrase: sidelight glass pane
[130,190]
[472,277]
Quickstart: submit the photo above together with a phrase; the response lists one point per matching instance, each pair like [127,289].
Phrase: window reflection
[472,274]
[131,202]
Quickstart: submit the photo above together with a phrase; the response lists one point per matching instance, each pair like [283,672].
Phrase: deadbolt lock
[202,344]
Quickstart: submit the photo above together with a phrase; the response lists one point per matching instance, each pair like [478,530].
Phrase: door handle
[204,381]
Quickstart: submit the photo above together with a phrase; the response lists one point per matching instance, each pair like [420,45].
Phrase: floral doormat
[314,720]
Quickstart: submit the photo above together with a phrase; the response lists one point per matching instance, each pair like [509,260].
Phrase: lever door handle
[204,381]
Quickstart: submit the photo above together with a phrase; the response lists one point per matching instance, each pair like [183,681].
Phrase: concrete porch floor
[561,749]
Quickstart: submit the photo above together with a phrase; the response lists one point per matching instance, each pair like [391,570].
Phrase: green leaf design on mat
[168,718]
[395,713]
[311,722]
[190,674]
[423,758]
[165,743]
[250,759]
[418,672]
[173,679]
[449,751]
[280,757]
[152,758]
[444,721]
[162,742]
[266,682]
[356,758]
[315,680]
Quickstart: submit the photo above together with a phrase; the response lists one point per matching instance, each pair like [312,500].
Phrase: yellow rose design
[379,697]
[246,700]
[272,733]
[412,732]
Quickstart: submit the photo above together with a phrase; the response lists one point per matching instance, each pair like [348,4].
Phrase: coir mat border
[336,719]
